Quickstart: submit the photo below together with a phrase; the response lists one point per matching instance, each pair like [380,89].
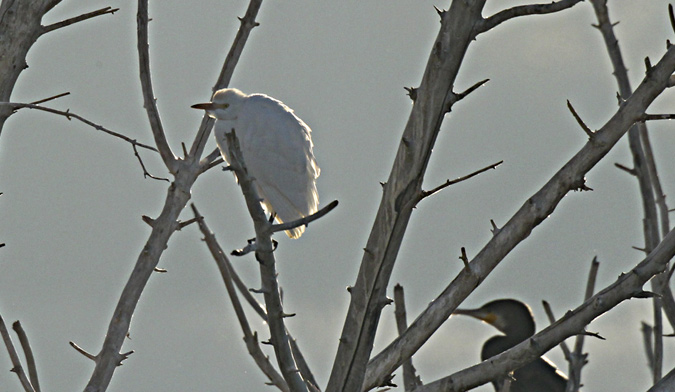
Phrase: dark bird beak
[203,106]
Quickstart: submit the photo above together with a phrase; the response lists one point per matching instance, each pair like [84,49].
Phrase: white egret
[277,149]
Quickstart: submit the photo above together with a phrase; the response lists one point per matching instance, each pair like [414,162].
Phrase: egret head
[224,105]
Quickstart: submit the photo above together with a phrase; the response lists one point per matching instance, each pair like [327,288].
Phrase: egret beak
[203,106]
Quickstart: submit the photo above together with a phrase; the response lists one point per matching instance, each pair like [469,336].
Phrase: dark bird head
[513,318]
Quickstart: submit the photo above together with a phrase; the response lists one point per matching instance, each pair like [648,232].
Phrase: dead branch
[305,220]
[14,357]
[410,379]
[70,115]
[149,101]
[178,194]
[586,129]
[250,338]
[424,194]
[523,10]
[80,18]
[28,354]
[268,274]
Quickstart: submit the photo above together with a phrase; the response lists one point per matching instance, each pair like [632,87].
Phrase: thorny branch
[14,357]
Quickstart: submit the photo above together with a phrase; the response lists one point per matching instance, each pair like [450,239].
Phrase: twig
[531,9]
[14,357]
[70,115]
[305,220]
[453,97]
[50,98]
[551,319]
[447,183]
[145,171]
[82,351]
[647,333]
[650,117]
[465,259]
[586,129]
[70,21]
[28,354]
[410,379]
[212,160]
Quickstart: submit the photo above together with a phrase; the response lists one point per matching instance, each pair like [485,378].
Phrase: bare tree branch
[70,21]
[178,194]
[250,338]
[268,275]
[149,101]
[447,183]
[535,210]
[523,10]
[14,357]
[247,24]
[28,354]
[70,115]
[410,379]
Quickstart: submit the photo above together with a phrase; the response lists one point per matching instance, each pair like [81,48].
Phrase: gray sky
[73,197]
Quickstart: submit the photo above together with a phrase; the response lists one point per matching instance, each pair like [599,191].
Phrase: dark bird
[514,319]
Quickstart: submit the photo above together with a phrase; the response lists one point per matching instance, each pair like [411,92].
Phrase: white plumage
[277,148]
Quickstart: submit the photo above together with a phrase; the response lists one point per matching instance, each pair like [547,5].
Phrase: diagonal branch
[247,24]
[523,10]
[250,338]
[80,18]
[428,193]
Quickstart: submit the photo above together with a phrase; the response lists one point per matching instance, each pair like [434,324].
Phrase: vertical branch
[28,353]
[401,192]
[264,253]
[636,135]
[410,379]
[250,338]
[14,357]
[149,101]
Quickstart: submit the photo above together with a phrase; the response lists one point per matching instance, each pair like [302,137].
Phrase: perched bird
[514,319]
[277,149]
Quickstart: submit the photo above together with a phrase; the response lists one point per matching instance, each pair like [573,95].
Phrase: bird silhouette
[277,149]
[514,319]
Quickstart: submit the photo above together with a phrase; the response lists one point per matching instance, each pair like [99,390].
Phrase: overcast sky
[73,197]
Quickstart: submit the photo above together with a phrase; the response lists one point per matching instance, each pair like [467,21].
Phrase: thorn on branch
[495,229]
[453,97]
[412,93]
[160,270]
[586,129]
[187,223]
[465,259]
[645,294]
[648,65]
[671,15]
[82,351]
[440,12]
[626,169]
